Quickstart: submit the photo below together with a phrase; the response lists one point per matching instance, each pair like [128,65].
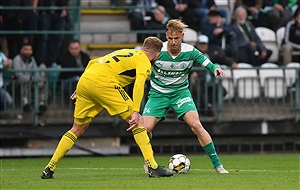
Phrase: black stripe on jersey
[130,73]
[122,92]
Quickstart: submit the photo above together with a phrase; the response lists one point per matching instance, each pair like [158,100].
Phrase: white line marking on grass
[195,169]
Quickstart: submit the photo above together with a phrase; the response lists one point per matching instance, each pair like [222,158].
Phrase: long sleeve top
[292,34]
[21,62]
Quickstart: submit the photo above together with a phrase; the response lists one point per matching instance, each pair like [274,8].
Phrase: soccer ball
[179,163]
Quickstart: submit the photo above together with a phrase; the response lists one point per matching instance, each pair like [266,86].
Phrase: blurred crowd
[230,31]
[37,51]
[226,35]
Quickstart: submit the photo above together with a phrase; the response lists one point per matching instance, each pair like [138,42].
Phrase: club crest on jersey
[182,65]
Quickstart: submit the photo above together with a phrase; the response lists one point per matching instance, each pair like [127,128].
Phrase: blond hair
[152,44]
[175,25]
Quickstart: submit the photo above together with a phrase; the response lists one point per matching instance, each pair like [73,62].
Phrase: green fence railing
[284,103]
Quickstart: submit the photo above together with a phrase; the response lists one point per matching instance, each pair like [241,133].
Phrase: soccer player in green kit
[169,87]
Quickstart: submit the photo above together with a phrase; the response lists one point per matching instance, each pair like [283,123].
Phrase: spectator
[221,36]
[293,5]
[277,13]
[250,48]
[3,42]
[158,22]
[206,81]
[182,9]
[255,16]
[215,56]
[17,20]
[48,45]
[24,61]
[5,97]
[292,38]
[73,58]
[31,22]
[138,16]
[204,6]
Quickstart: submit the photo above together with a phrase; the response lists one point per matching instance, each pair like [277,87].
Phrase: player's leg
[143,141]
[155,110]
[187,111]
[65,144]
[192,119]
[85,110]
[150,122]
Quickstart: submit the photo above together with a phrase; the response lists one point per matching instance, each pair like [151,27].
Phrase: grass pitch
[259,171]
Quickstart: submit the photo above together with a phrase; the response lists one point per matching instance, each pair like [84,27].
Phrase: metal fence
[219,99]
[235,97]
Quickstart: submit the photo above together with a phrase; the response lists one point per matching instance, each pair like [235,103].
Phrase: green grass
[258,171]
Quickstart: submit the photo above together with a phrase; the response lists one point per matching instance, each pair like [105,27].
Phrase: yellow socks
[143,141]
[65,144]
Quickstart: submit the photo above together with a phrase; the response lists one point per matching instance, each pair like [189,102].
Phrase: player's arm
[138,91]
[201,59]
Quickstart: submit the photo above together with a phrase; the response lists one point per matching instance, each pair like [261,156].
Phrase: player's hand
[73,96]
[219,72]
[133,121]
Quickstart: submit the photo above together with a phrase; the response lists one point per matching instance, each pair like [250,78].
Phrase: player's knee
[79,129]
[195,125]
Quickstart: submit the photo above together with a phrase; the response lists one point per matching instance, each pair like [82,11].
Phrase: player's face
[174,39]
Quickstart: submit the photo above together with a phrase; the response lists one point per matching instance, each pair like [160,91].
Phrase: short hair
[74,41]
[152,44]
[25,44]
[175,25]
[240,8]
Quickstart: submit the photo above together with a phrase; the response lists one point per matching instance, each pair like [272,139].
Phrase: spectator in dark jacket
[18,20]
[292,38]
[73,58]
[204,6]
[48,46]
[277,13]
[139,15]
[221,36]
[182,9]
[250,48]
[254,15]
[158,22]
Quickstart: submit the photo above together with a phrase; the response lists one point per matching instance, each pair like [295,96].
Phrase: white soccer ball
[179,163]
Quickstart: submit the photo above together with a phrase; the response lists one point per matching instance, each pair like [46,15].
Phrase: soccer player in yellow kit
[101,86]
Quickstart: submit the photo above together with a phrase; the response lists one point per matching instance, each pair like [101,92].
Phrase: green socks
[211,152]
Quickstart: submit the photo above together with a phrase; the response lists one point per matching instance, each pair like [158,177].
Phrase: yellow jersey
[122,67]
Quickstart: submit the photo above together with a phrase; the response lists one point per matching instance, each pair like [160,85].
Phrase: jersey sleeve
[143,71]
[201,59]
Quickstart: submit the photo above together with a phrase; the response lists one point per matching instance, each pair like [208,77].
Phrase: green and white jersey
[170,73]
